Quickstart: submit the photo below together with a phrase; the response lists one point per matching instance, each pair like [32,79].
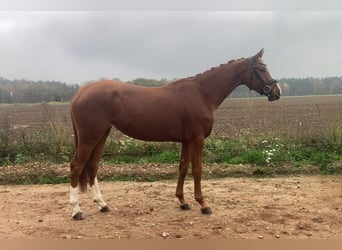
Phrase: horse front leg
[183,169]
[196,151]
[94,166]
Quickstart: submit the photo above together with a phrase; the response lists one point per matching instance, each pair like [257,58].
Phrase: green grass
[39,179]
[259,151]
[269,152]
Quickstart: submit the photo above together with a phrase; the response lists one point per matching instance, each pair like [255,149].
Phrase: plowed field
[254,116]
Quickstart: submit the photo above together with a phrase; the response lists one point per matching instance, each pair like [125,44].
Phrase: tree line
[300,87]
[25,91]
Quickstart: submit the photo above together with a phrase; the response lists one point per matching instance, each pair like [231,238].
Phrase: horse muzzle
[272,92]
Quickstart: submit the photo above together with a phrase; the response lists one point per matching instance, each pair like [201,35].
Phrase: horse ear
[259,54]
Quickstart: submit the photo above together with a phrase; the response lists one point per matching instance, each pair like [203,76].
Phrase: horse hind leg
[97,197]
[74,201]
[93,165]
[77,167]
[84,168]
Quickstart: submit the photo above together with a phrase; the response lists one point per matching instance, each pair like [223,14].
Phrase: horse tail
[75,130]
[83,177]
[73,120]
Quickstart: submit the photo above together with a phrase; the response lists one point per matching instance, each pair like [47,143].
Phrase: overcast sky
[76,46]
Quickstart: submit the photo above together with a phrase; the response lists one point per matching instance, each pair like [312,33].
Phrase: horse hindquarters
[84,167]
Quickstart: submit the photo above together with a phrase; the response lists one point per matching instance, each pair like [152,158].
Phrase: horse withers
[180,111]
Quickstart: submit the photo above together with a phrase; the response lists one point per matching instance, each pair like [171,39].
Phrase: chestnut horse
[181,111]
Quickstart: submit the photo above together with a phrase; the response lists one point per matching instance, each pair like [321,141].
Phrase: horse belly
[150,130]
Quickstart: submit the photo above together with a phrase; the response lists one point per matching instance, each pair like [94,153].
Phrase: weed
[55,143]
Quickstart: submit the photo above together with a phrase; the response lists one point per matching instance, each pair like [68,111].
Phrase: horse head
[261,80]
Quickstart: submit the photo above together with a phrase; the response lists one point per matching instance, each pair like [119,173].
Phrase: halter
[272,83]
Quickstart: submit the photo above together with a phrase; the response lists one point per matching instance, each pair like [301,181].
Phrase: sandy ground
[271,208]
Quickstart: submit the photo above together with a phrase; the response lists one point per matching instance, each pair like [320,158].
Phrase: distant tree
[23,91]
[335,85]
[116,79]
[149,82]
[319,87]
[285,88]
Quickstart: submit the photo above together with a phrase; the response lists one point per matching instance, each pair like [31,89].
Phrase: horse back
[169,113]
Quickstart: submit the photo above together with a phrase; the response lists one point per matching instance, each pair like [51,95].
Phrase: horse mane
[209,71]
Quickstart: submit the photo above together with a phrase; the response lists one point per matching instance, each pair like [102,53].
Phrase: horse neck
[219,82]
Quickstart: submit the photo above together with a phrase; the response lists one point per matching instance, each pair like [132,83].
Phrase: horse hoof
[206,210]
[185,206]
[78,216]
[104,209]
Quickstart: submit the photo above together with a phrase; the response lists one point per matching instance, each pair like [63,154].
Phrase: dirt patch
[269,208]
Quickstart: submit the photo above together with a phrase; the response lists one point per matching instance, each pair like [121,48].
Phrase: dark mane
[209,71]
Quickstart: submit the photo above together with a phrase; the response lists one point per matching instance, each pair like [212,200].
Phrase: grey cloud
[81,46]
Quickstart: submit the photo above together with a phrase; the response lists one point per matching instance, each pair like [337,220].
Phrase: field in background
[235,117]
[294,130]
[288,117]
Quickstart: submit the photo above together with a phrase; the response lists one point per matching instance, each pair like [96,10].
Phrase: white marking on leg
[74,200]
[97,197]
